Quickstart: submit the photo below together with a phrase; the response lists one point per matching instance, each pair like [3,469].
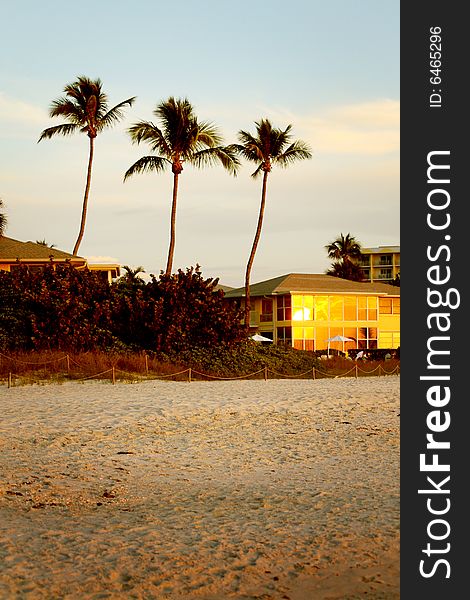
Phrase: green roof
[306,283]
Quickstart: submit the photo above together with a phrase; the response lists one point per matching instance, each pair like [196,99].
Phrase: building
[305,310]
[381,263]
[14,253]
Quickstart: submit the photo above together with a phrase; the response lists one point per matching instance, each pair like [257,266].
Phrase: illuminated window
[321,308]
[350,308]
[321,336]
[367,308]
[372,308]
[303,338]
[385,306]
[302,308]
[336,308]
[389,306]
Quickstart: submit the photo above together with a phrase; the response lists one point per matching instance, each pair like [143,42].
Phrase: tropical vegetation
[269,146]
[85,107]
[179,138]
[345,251]
[63,308]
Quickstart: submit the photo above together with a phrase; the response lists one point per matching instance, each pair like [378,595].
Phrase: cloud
[101,259]
[369,128]
[13,110]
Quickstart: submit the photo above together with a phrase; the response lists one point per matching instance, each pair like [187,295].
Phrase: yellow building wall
[315,318]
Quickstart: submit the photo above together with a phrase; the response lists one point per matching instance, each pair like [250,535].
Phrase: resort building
[306,310]
[381,263]
[14,253]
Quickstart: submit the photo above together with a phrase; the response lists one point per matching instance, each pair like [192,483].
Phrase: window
[284,310]
[266,310]
[302,308]
[284,335]
[367,338]
[389,306]
[385,306]
[350,308]
[385,274]
[336,308]
[372,308]
[367,308]
[396,306]
[385,260]
[303,338]
[321,308]
[389,339]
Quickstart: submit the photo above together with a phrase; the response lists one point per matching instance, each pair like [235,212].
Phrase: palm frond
[249,148]
[226,156]
[147,164]
[64,129]
[297,151]
[258,171]
[146,131]
[63,107]
[208,135]
[115,114]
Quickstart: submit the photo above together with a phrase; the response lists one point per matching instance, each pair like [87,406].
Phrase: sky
[330,69]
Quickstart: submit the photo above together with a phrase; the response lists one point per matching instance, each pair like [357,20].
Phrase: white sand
[270,490]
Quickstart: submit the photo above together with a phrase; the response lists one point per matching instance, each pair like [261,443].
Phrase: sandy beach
[269,490]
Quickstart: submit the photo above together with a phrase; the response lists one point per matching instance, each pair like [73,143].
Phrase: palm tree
[85,107]
[131,277]
[345,252]
[3,220]
[268,147]
[44,243]
[180,139]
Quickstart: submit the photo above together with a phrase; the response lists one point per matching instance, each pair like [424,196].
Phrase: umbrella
[338,338]
[260,338]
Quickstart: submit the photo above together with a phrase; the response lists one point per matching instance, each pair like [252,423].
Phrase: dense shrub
[63,308]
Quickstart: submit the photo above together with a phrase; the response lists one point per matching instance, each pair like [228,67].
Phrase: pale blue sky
[331,69]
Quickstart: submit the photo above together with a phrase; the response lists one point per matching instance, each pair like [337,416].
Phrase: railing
[188,374]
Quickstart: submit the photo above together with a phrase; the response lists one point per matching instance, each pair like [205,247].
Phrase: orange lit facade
[305,310]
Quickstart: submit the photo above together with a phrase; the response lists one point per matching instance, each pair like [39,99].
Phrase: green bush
[245,358]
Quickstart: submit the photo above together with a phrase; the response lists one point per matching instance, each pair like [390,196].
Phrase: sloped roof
[224,288]
[306,283]
[12,250]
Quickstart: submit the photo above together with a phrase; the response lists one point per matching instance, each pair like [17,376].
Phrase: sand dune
[243,490]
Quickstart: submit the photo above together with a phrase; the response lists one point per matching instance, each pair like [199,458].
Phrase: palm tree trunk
[171,249]
[253,251]
[85,198]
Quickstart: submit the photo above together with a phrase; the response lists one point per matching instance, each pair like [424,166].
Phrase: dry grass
[20,368]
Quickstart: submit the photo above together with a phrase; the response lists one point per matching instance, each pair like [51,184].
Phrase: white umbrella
[260,338]
[338,338]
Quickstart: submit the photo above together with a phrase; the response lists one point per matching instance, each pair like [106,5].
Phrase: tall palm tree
[269,146]
[345,252]
[3,219]
[180,139]
[85,107]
